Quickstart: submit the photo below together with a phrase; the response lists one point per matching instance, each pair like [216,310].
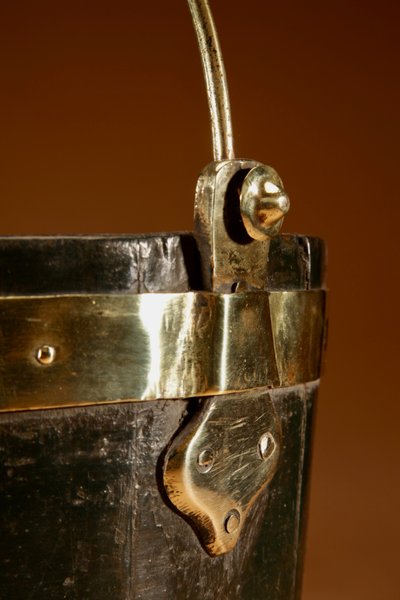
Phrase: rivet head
[266,445]
[205,460]
[232,521]
[45,355]
[263,203]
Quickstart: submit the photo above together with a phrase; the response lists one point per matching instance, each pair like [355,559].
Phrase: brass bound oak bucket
[157,393]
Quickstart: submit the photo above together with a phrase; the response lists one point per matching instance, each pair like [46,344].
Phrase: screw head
[205,460]
[263,203]
[45,355]
[232,521]
[266,445]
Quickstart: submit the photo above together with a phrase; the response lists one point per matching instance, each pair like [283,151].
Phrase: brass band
[75,350]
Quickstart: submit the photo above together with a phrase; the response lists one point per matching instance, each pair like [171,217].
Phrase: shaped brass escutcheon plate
[219,463]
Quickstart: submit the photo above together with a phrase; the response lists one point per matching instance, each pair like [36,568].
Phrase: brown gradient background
[104,128]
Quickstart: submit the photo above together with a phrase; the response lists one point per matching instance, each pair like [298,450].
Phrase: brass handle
[215,79]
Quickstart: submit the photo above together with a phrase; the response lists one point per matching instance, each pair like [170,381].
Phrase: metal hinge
[220,461]
[218,464]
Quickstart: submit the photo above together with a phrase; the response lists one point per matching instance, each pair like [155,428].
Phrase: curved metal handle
[215,79]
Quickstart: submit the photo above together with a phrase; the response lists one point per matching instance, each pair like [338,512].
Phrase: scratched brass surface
[122,347]
[219,464]
[297,323]
[229,256]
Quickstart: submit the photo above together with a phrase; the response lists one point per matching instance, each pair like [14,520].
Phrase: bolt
[232,521]
[205,460]
[263,203]
[45,355]
[266,445]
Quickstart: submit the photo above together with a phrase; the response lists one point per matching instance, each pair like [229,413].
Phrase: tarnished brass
[109,348]
[216,501]
[85,470]
[233,201]
[230,258]
[239,207]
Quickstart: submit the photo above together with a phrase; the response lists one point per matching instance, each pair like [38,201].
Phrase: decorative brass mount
[89,349]
[219,463]
[230,341]
[216,467]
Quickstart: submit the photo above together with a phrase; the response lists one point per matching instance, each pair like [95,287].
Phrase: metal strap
[77,349]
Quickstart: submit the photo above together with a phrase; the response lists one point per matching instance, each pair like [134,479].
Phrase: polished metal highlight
[266,445]
[112,348]
[263,203]
[45,355]
[217,501]
[215,79]
[233,342]
[298,326]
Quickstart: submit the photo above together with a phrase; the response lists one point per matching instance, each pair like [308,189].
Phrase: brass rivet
[232,521]
[266,445]
[205,460]
[45,355]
